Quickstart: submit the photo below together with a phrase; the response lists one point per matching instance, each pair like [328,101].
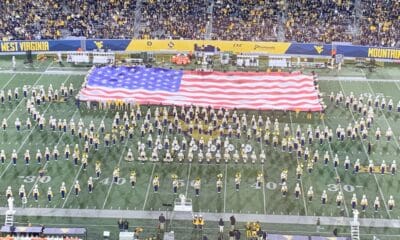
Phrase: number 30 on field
[31,179]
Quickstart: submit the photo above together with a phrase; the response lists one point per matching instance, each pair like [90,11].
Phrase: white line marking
[30,133]
[188,180]
[264,199]
[47,162]
[12,77]
[226,179]
[148,187]
[366,153]
[112,180]
[301,178]
[80,169]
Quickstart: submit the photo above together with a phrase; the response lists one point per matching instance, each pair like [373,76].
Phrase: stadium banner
[40,45]
[235,47]
[309,49]
[369,52]
[209,46]
[111,44]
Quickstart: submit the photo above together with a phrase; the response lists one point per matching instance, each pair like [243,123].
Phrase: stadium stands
[366,22]
[245,20]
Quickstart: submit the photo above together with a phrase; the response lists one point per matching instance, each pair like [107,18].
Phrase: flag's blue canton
[151,79]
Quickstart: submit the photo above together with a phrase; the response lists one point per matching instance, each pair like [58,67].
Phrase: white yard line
[30,133]
[337,174]
[226,180]
[264,186]
[72,186]
[8,82]
[148,187]
[188,180]
[22,100]
[366,153]
[387,122]
[397,85]
[112,180]
[47,162]
[301,178]
[80,168]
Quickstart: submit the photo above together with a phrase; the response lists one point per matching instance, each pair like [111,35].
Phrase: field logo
[99,44]
[319,48]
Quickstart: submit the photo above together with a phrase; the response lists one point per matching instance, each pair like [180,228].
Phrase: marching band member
[175,184]
[227,156]
[297,190]
[49,194]
[181,156]
[339,199]
[17,124]
[346,163]
[371,167]
[156,183]
[67,152]
[14,157]
[253,157]
[98,169]
[116,174]
[354,201]
[383,167]
[27,157]
[284,175]
[4,124]
[63,190]
[262,156]
[389,134]
[357,166]
[2,156]
[284,189]
[132,178]
[168,157]
[77,188]
[393,167]
[90,184]
[377,204]
[219,183]
[364,203]
[336,161]
[259,180]
[21,192]
[391,203]
[197,185]
[310,194]
[237,181]
[9,192]
[35,192]
[324,197]
[129,155]
[299,171]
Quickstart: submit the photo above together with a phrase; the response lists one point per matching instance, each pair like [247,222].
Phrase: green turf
[248,200]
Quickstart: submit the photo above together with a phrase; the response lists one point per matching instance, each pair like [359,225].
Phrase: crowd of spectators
[47,19]
[251,20]
[174,19]
[380,23]
[319,20]
[371,22]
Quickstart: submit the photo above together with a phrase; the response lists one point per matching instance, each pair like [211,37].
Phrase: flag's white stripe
[221,96]
[249,77]
[230,84]
[205,99]
[264,106]
[227,91]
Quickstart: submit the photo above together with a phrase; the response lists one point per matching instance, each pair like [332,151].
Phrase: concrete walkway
[131,214]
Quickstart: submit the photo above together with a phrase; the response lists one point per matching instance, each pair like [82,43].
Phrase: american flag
[242,90]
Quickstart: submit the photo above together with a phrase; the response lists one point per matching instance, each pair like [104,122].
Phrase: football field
[248,200]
